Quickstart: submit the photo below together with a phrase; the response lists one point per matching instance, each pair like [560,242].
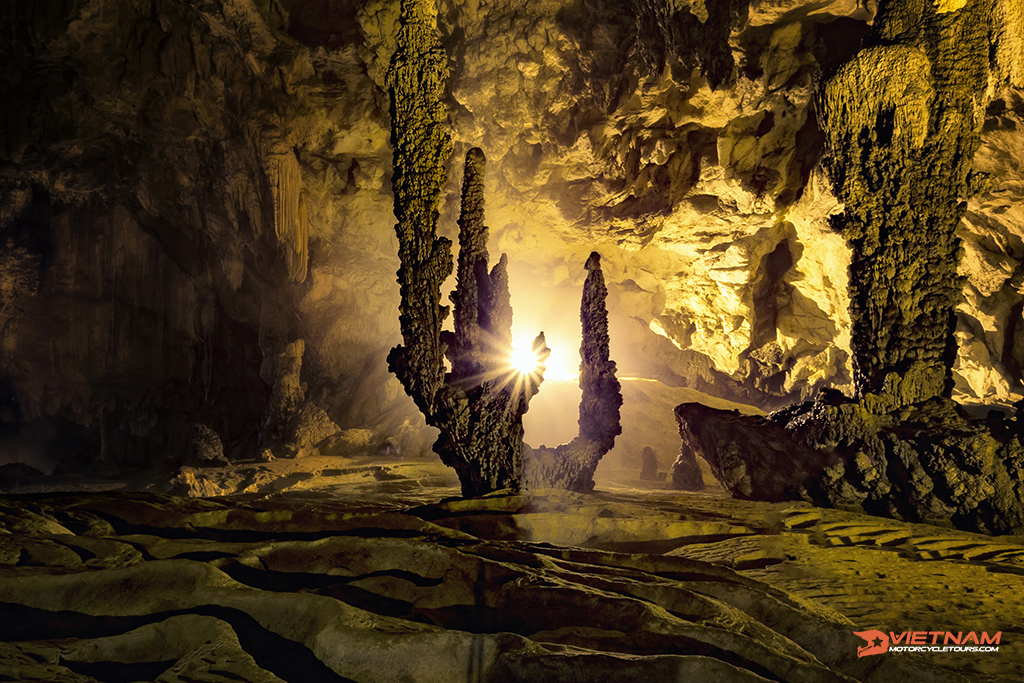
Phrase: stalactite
[572,465]
[290,218]
[695,33]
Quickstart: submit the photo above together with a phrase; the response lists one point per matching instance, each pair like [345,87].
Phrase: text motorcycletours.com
[879,642]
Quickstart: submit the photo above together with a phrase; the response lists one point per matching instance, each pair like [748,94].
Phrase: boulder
[309,426]
[349,442]
[189,483]
[925,462]
[18,473]
[204,448]
[686,474]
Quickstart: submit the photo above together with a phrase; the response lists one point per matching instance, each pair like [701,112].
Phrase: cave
[418,340]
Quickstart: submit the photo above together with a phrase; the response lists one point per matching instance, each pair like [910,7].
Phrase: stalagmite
[481,406]
[572,465]
[478,406]
[422,145]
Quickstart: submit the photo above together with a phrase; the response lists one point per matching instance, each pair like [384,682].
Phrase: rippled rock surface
[346,582]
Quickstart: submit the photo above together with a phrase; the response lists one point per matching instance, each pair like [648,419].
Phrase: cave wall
[187,190]
[155,202]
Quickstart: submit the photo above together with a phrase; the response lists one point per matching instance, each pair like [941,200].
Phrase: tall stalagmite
[572,465]
[422,145]
[902,121]
[478,406]
[599,408]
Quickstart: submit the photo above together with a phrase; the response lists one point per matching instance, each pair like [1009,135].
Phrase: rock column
[478,406]
[572,465]
[903,121]
[421,145]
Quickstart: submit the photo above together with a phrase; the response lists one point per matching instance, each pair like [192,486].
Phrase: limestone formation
[282,372]
[155,158]
[422,145]
[599,409]
[928,462]
[478,405]
[988,354]
[18,473]
[190,483]
[291,221]
[899,154]
[572,465]
[349,442]
[204,448]
[482,403]
[308,427]
[686,474]
[694,33]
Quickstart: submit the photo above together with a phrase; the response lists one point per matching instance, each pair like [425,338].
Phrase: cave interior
[425,340]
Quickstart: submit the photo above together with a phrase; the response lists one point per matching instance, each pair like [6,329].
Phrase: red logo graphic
[877,643]
[917,641]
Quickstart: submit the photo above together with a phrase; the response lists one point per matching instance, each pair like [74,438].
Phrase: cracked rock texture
[190,193]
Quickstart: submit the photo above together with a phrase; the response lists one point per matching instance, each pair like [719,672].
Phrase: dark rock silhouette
[204,448]
[421,146]
[686,474]
[648,465]
[928,462]
[17,473]
[479,405]
[572,465]
[599,409]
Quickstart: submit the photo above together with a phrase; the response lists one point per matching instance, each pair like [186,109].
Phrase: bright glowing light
[524,360]
[561,368]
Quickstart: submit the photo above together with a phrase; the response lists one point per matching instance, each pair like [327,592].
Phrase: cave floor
[362,569]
